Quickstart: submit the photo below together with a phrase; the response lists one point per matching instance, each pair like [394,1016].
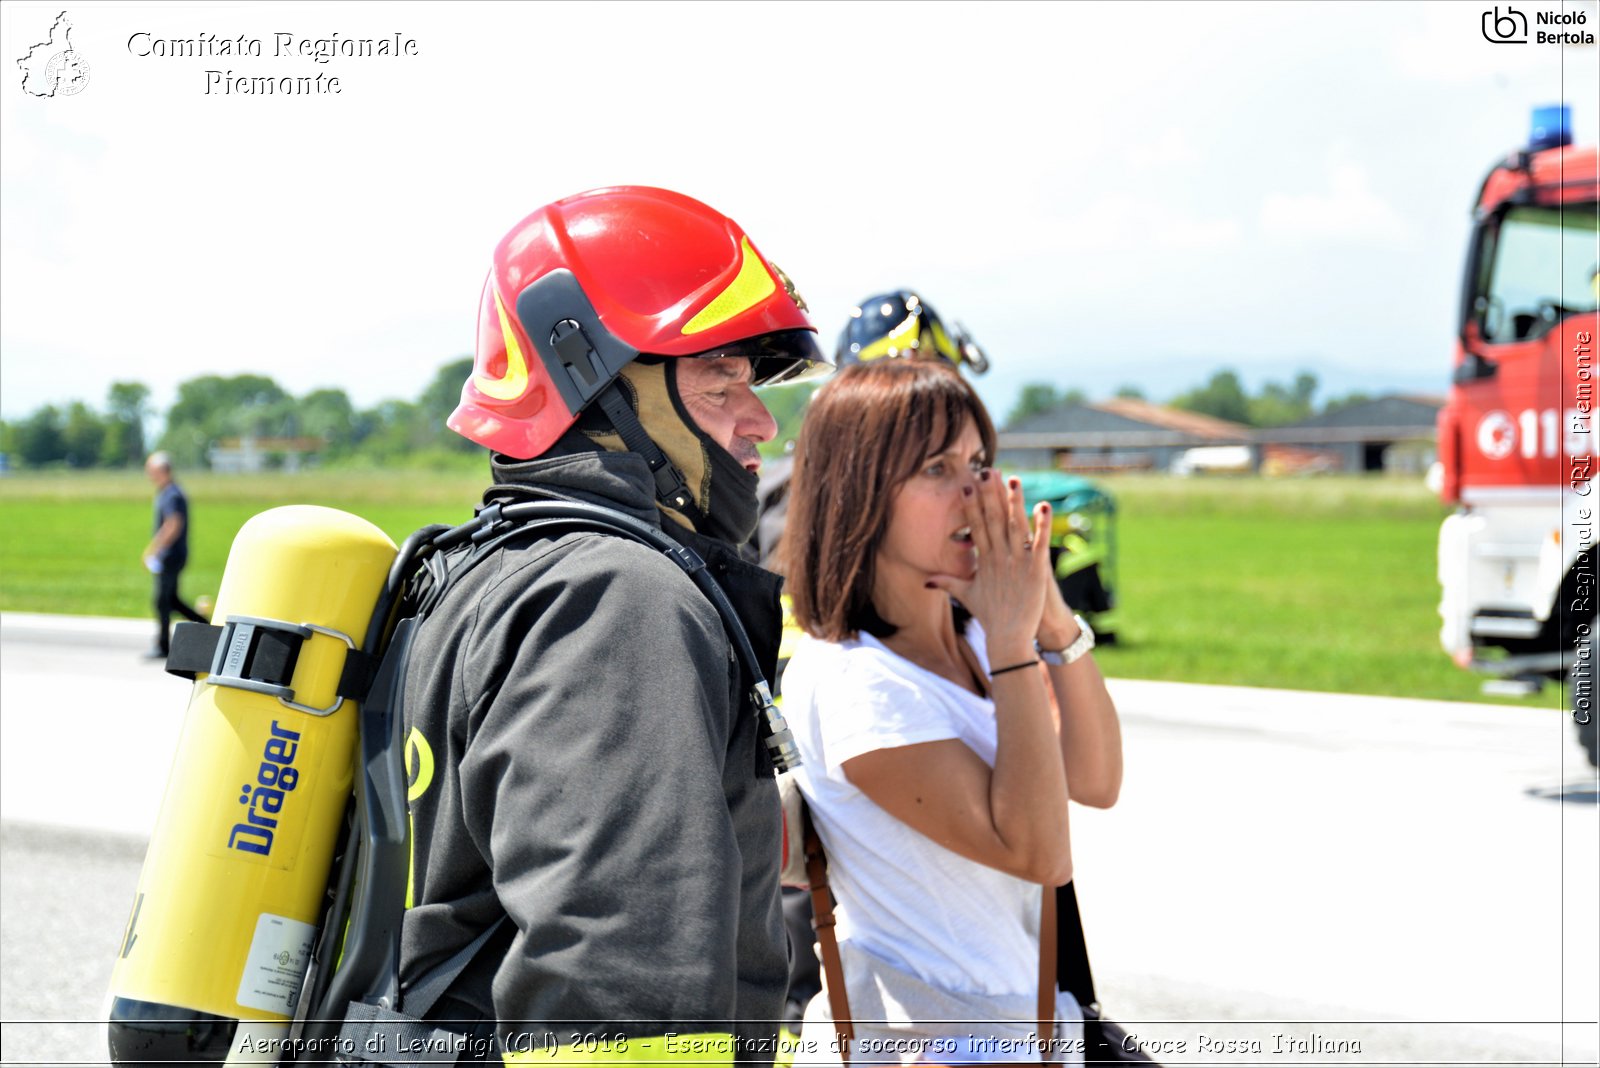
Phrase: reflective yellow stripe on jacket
[786,647]
[708,1047]
[788,1046]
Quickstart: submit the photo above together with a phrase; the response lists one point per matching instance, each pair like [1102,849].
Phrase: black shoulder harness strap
[352,989]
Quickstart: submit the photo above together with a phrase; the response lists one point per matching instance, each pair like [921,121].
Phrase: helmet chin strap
[671,488]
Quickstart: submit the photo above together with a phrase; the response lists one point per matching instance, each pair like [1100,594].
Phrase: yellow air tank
[221,928]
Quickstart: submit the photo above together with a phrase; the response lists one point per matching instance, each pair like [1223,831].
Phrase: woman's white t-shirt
[953,922]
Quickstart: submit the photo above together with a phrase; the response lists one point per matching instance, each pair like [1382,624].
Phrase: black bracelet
[1013,667]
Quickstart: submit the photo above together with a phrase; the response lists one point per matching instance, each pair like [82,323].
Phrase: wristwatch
[1081,645]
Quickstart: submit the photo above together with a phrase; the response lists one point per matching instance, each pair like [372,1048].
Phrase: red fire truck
[1519,438]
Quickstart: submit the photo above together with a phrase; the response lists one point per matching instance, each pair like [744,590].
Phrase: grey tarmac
[1289,878]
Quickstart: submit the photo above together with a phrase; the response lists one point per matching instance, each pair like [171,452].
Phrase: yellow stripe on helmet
[943,345]
[514,383]
[896,342]
[750,287]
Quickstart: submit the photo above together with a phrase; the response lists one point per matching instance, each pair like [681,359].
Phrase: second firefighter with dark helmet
[897,324]
[900,323]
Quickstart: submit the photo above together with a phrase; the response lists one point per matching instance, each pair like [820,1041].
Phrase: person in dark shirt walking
[168,551]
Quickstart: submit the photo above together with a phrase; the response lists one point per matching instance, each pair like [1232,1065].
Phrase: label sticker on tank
[279,954]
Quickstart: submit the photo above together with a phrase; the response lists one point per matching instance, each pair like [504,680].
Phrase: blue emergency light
[1552,127]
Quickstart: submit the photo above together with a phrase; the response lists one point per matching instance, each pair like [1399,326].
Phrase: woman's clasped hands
[1012,592]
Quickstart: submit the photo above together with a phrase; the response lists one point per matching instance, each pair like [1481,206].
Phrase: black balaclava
[724,491]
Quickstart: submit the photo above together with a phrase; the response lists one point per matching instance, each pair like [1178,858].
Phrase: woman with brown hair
[924,701]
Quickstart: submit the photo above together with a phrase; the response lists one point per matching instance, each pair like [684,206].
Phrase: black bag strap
[374,1034]
[426,992]
[1072,955]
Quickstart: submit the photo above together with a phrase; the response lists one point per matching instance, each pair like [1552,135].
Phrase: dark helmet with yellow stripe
[902,324]
[584,286]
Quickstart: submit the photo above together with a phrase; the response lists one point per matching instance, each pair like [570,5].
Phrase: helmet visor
[781,356]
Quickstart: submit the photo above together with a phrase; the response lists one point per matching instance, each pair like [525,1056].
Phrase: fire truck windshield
[1538,265]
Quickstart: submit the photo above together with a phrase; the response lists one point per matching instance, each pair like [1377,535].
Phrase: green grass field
[1317,584]
[1309,584]
[71,543]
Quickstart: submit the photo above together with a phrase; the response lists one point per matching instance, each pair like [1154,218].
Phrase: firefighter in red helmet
[592,805]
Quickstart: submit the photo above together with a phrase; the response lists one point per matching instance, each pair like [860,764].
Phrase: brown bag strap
[822,919]
[833,968]
[1047,965]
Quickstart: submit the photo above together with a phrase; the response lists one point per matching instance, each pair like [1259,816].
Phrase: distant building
[247,455]
[1114,435]
[1392,433]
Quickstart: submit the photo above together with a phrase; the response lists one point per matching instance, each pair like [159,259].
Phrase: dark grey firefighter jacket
[597,775]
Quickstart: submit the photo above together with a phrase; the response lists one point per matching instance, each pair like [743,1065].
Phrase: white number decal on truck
[1537,431]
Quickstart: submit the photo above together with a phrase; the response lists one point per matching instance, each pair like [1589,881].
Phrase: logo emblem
[788,287]
[276,779]
[53,67]
[1510,28]
[419,765]
[1497,435]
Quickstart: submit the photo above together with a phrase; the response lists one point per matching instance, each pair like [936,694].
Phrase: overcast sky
[1103,193]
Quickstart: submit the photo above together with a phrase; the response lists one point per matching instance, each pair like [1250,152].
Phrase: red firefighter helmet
[583,286]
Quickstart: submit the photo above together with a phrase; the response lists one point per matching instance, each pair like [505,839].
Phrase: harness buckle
[259,655]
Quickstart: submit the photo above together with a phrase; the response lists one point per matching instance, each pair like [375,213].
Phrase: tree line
[215,408]
[1222,397]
